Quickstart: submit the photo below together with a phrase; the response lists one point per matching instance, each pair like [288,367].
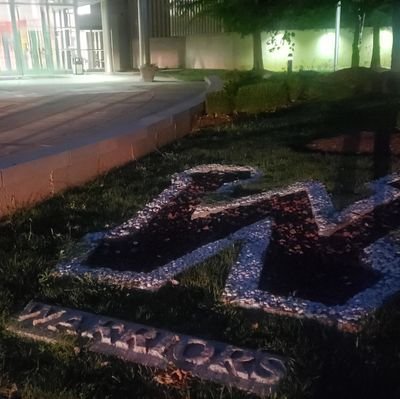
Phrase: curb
[47,173]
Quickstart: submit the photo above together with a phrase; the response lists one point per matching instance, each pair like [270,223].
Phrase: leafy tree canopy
[375,11]
[240,16]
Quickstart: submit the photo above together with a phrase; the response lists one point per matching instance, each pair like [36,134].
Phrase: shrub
[361,80]
[234,80]
[295,87]
[388,83]
[219,102]
[262,97]
[343,84]
[327,89]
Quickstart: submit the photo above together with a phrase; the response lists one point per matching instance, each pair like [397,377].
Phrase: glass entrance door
[34,35]
[92,49]
[41,36]
[7,55]
[64,24]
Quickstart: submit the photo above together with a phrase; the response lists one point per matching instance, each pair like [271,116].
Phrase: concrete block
[81,167]
[195,113]
[6,204]
[183,123]
[164,131]
[105,146]
[30,182]
[27,191]
[255,371]
[125,144]
[143,147]
[114,158]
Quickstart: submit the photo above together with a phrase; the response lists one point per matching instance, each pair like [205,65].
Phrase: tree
[361,13]
[377,15]
[251,17]
[396,35]
[358,12]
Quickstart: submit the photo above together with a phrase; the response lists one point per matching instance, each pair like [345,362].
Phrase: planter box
[148,72]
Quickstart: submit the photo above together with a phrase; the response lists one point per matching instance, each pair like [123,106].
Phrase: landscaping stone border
[255,371]
[242,286]
[159,277]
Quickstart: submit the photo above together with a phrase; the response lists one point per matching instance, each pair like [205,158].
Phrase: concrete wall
[168,52]
[134,32]
[26,183]
[120,35]
[221,51]
[313,50]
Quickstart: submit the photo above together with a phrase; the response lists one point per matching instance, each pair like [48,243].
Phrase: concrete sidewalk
[60,132]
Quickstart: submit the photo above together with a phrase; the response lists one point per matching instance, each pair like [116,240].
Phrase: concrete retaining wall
[168,52]
[314,50]
[222,51]
[27,183]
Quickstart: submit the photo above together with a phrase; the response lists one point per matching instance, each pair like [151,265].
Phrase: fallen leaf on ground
[176,378]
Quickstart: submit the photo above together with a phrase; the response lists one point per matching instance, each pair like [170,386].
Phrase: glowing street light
[290,63]
[337,34]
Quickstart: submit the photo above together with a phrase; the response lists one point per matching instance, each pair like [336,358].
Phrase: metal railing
[170,20]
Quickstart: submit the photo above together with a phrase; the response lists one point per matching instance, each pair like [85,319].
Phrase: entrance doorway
[33,31]
[45,36]
[65,35]
[7,55]
[92,50]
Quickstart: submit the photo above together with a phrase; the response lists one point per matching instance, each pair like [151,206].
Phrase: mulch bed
[299,261]
[211,121]
[172,233]
[364,142]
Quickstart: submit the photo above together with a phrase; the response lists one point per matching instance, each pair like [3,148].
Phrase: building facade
[42,36]
[47,36]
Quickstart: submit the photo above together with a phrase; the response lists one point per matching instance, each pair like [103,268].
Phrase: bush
[389,83]
[361,80]
[295,87]
[261,97]
[219,102]
[234,80]
[249,92]
[327,89]
[345,83]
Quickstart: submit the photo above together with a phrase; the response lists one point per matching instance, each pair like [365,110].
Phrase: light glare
[326,44]
[85,10]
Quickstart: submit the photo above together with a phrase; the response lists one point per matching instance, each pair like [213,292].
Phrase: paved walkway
[42,116]
[60,132]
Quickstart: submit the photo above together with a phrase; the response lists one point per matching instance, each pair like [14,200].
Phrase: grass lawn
[323,362]
[191,75]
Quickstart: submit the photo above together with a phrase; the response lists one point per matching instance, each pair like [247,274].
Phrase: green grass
[324,363]
[190,75]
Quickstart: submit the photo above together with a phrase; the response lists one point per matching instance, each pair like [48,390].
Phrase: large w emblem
[299,256]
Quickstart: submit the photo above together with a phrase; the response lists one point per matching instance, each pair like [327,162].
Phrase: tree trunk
[396,36]
[358,26]
[376,48]
[258,64]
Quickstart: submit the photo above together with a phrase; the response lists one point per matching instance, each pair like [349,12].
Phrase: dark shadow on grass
[382,122]
[328,364]
[382,163]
